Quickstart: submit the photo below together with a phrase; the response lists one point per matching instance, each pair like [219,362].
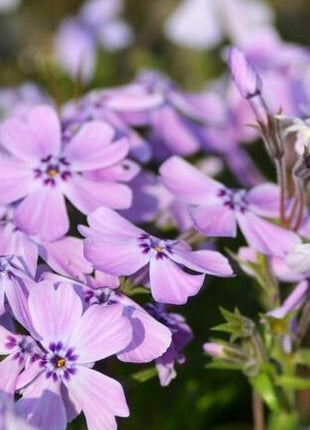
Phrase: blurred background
[199,398]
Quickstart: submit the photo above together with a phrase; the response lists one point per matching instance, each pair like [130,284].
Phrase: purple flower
[216,210]
[117,247]
[181,336]
[60,381]
[93,107]
[150,338]
[155,100]
[41,171]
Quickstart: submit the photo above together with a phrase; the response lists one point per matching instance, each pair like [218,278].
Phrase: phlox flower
[41,171]
[154,100]
[150,338]
[217,210]
[117,247]
[93,106]
[59,381]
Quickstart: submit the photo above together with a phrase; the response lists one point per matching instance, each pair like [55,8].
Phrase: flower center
[60,362]
[52,169]
[52,172]
[156,247]
[234,199]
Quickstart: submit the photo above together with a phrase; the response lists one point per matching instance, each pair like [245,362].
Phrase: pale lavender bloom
[202,24]
[181,336]
[154,100]
[77,38]
[59,381]
[42,170]
[117,247]
[216,210]
[150,339]
[93,107]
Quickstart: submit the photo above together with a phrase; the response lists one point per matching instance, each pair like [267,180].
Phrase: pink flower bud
[246,79]
[214,349]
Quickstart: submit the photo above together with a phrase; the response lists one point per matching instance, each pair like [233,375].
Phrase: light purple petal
[37,138]
[75,50]
[88,195]
[44,213]
[266,237]
[246,79]
[65,256]
[43,406]
[187,183]
[55,313]
[204,261]
[91,148]
[294,301]
[214,220]
[16,180]
[106,223]
[264,200]
[101,398]
[166,372]
[170,284]
[173,130]
[102,331]
[119,257]
[115,35]
[150,338]
[193,24]
[9,371]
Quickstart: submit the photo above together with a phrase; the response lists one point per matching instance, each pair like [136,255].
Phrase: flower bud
[246,79]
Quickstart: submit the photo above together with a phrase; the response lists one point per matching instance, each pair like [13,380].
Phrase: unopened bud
[246,79]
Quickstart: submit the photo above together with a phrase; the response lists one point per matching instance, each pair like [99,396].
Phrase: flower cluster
[98,206]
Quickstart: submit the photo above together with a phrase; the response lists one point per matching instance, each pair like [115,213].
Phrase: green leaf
[293,382]
[262,383]
[145,374]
